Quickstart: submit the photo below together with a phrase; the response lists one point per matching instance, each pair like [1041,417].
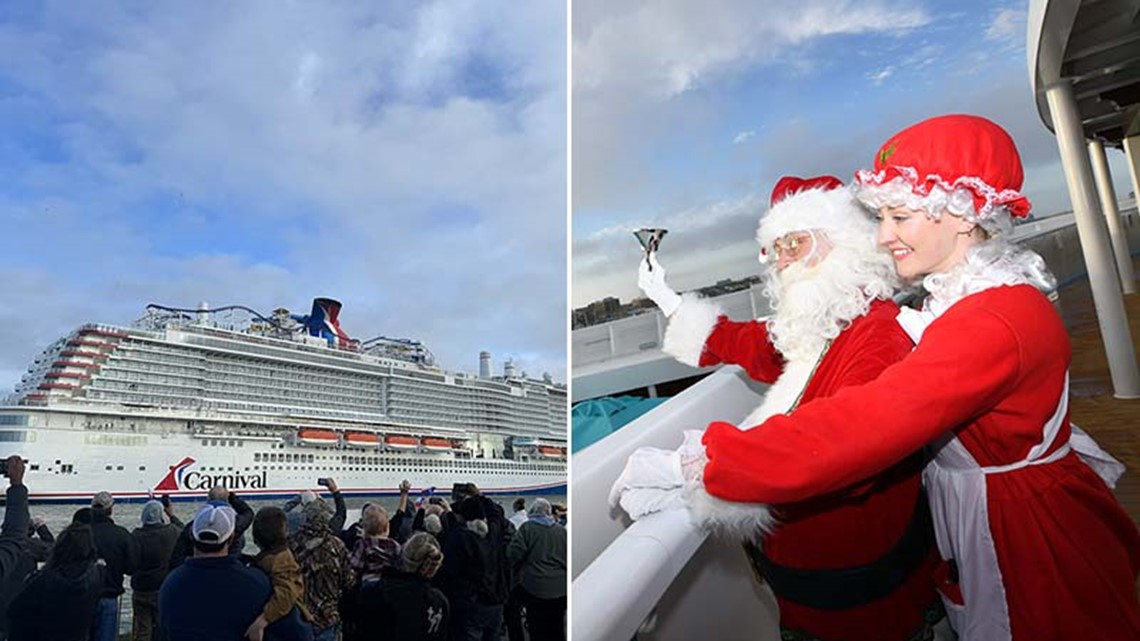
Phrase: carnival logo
[178,478]
[172,482]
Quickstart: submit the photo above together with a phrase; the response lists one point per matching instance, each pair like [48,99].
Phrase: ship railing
[619,572]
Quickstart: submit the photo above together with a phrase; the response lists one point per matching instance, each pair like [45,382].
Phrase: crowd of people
[433,569]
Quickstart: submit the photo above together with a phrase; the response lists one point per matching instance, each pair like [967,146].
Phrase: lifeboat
[317,437]
[401,442]
[552,452]
[362,439]
[437,444]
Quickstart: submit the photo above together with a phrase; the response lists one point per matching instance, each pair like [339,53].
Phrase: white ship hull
[70,457]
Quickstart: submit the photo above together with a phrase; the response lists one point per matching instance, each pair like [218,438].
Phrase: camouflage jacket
[324,566]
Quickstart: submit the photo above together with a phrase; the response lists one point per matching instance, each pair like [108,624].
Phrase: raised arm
[14,532]
[831,443]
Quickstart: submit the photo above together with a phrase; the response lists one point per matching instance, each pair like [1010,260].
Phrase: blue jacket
[216,598]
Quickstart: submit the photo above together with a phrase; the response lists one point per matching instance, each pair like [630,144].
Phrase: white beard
[783,393]
[812,305]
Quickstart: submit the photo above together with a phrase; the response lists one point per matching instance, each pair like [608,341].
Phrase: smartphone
[324,481]
[165,498]
[3,467]
[435,500]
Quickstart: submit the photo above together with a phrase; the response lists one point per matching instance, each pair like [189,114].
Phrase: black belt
[851,587]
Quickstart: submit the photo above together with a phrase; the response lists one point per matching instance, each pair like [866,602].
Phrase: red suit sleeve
[967,360]
[745,344]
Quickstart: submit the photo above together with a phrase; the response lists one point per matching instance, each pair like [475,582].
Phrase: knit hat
[802,204]
[102,500]
[152,513]
[214,523]
[966,165]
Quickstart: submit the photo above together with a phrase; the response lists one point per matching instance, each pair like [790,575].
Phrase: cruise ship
[185,399]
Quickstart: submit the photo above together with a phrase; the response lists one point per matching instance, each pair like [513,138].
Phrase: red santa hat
[966,165]
[801,204]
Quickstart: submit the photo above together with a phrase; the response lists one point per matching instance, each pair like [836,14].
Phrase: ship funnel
[324,321]
[485,365]
[203,316]
[509,369]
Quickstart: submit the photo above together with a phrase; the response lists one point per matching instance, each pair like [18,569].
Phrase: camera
[324,481]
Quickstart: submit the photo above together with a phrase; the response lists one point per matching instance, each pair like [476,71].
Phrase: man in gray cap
[119,551]
[155,540]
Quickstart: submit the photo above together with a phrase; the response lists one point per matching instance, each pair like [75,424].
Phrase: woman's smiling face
[922,245]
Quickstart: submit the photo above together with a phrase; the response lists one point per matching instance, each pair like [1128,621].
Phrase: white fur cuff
[689,327]
[744,521]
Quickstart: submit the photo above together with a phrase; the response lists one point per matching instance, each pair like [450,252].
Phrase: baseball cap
[214,523]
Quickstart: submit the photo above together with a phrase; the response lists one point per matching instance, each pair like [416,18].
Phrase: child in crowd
[270,533]
[375,550]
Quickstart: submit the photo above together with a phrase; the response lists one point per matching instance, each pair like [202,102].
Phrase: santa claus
[857,563]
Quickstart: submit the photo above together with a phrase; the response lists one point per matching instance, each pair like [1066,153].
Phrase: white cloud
[661,49]
[743,136]
[640,66]
[877,77]
[409,160]
[1007,25]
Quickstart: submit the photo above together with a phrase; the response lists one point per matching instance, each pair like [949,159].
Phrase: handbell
[650,239]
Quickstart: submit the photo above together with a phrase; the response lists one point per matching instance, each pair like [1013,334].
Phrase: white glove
[639,502]
[652,283]
[654,479]
[693,459]
[651,479]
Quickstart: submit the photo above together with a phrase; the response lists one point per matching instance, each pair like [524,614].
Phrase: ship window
[257,456]
[35,466]
[12,436]
[273,457]
[108,468]
[142,468]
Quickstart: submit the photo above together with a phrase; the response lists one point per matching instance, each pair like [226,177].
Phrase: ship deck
[1113,422]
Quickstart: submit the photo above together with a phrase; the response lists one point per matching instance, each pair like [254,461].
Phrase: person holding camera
[340,511]
[15,559]
[155,539]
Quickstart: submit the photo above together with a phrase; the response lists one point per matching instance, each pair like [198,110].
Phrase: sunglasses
[791,246]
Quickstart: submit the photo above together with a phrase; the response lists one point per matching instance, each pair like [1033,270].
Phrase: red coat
[990,371]
[860,524]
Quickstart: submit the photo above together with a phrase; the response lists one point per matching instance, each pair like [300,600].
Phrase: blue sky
[407,158]
[685,114]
